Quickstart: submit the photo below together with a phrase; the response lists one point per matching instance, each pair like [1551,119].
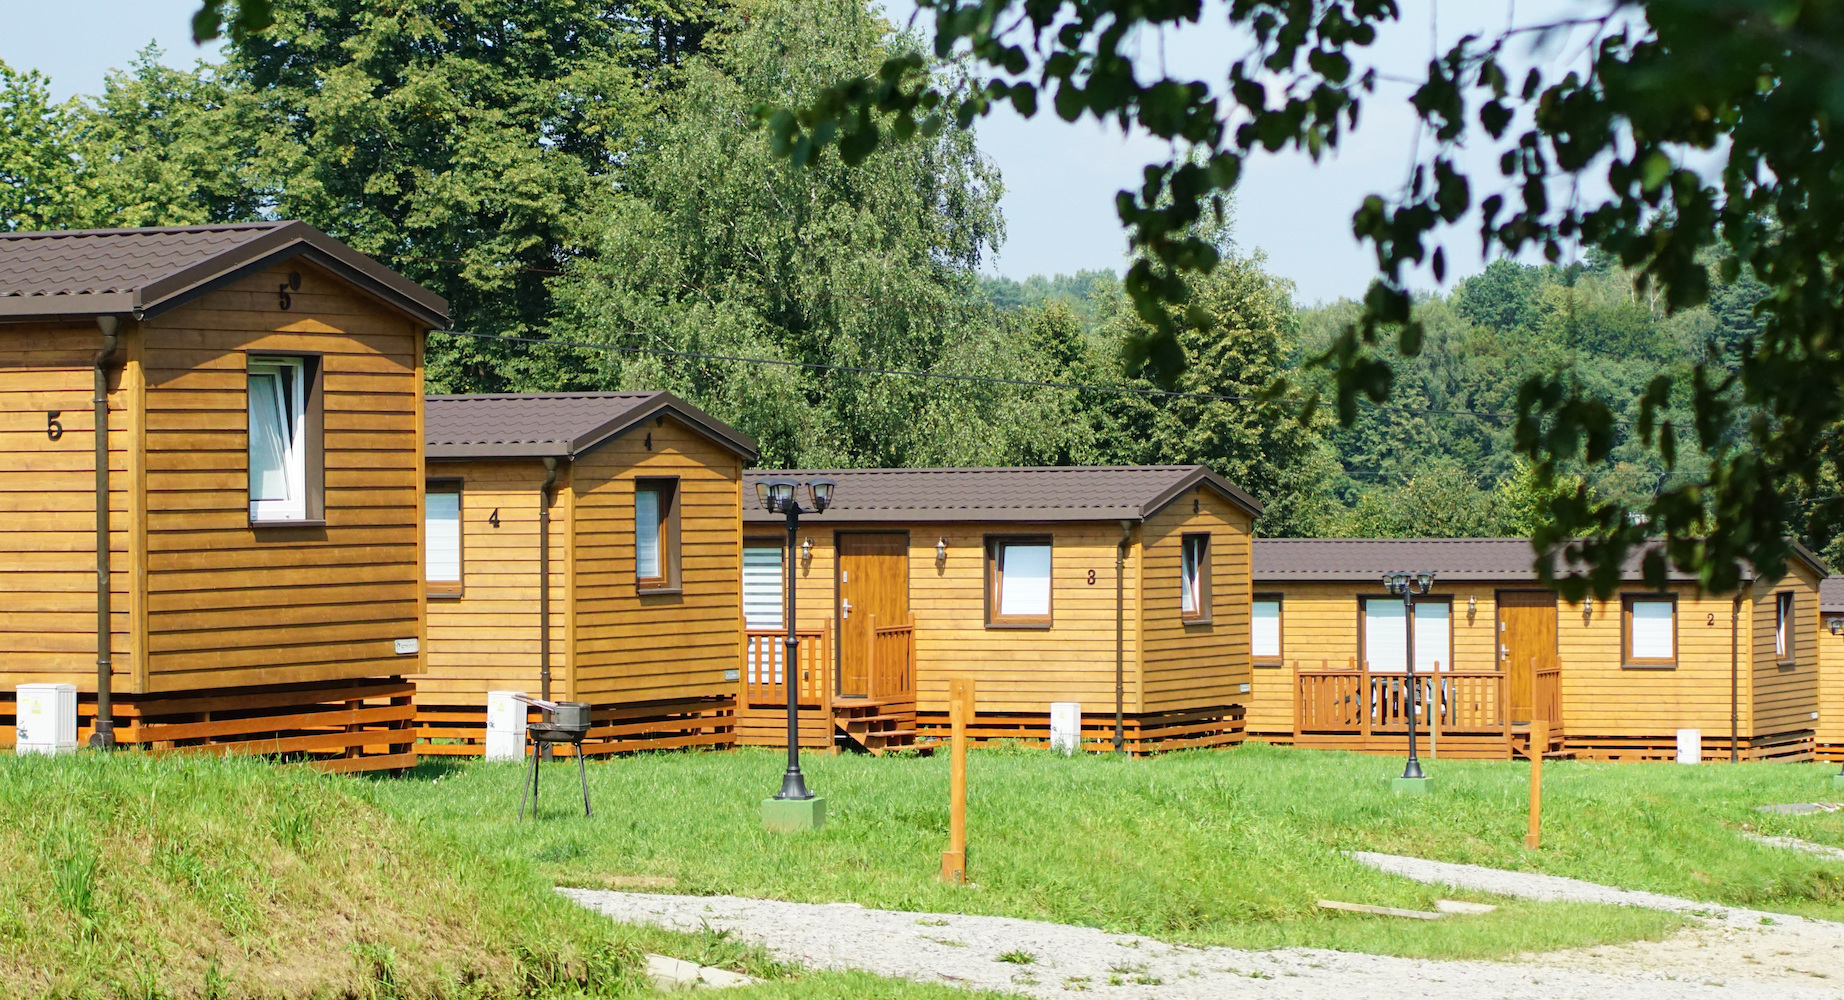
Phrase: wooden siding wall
[1601,698]
[1016,669]
[487,639]
[1320,629]
[630,647]
[231,605]
[1202,664]
[1830,687]
[48,506]
[1785,696]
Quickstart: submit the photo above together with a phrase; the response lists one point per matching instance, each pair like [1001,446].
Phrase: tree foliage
[1753,85]
[40,164]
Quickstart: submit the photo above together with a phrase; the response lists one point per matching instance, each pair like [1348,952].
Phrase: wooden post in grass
[960,707]
[1539,742]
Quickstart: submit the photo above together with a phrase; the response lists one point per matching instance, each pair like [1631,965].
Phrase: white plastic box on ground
[47,718]
[505,726]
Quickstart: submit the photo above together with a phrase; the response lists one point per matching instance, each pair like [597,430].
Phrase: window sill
[1270,663]
[1039,626]
[649,591]
[444,595]
[1648,666]
[306,522]
[1199,621]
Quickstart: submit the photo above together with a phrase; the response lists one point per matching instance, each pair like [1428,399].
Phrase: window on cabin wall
[285,464]
[1783,627]
[1194,578]
[1265,629]
[442,537]
[1386,635]
[1649,631]
[656,534]
[763,604]
[1018,581]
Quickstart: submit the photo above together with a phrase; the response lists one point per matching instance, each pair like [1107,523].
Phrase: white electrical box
[47,718]
[505,725]
[1690,746]
[1066,726]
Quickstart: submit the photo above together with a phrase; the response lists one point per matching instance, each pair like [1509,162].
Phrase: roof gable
[145,272]
[1047,493]
[556,425]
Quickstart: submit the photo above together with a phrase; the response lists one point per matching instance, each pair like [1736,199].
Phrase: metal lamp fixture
[941,555]
[1836,625]
[1406,586]
[782,496]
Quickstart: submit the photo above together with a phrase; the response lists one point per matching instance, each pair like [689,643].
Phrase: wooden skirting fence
[360,725]
[1799,745]
[1149,733]
[670,724]
[1458,713]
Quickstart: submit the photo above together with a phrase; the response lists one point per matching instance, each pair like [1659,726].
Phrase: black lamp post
[781,496]
[1407,585]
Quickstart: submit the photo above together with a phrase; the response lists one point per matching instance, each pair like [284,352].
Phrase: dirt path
[1727,958]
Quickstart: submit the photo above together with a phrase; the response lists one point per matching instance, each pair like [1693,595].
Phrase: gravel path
[1790,959]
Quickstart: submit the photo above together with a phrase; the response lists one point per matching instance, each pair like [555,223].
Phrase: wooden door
[873,580]
[1526,637]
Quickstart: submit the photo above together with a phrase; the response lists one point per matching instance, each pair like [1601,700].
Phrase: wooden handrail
[890,658]
[1455,701]
[762,676]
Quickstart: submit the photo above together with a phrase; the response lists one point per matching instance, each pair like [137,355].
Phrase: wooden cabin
[1831,669]
[1118,588]
[1615,679]
[584,547]
[258,449]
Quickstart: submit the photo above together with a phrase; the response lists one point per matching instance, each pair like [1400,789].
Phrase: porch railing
[891,654]
[764,674]
[1355,700]
[1359,701]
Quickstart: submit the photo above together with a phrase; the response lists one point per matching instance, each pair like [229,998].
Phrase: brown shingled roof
[555,425]
[1049,493]
[1282,560]
[1831,595]
[145,272]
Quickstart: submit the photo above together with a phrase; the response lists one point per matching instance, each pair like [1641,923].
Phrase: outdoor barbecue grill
[564,722]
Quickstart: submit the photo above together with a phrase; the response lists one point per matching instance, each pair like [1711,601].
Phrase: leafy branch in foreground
[1752,86]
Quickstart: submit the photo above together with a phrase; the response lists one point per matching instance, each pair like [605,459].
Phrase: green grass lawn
[1207,847]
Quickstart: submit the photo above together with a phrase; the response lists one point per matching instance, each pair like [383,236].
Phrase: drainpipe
[544,589]
[1735,676]
[102,737]
[1120,636]
[544,578]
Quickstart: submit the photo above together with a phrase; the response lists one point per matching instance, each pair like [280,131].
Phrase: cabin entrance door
[873,580]
[1526,644]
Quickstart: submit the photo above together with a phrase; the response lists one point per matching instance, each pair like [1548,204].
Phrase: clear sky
[1060,179]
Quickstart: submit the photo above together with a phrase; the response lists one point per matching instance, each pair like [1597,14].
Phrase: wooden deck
[1457,713]
[883,719]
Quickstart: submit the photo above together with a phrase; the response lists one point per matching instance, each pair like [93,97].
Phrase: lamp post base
[1837,780]
[793,815]
[1410,786]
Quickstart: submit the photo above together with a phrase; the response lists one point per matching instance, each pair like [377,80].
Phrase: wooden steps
[876,725]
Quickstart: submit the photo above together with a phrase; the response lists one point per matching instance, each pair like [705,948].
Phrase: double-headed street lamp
[1407,585]
[794,807]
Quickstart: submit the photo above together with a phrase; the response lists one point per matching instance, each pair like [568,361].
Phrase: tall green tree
[41,184]
[712,246]
[457,140]
[169,147]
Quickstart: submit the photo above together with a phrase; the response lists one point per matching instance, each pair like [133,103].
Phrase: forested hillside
[590,186]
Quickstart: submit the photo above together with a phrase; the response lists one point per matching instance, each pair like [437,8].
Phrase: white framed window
[1386,635]
[1651,631]
[1265,629]
[442,537]
[278,438]
[1433,636]
[1018,581]
[1783,627]
[656,534]
[1194,578]
[762,597]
